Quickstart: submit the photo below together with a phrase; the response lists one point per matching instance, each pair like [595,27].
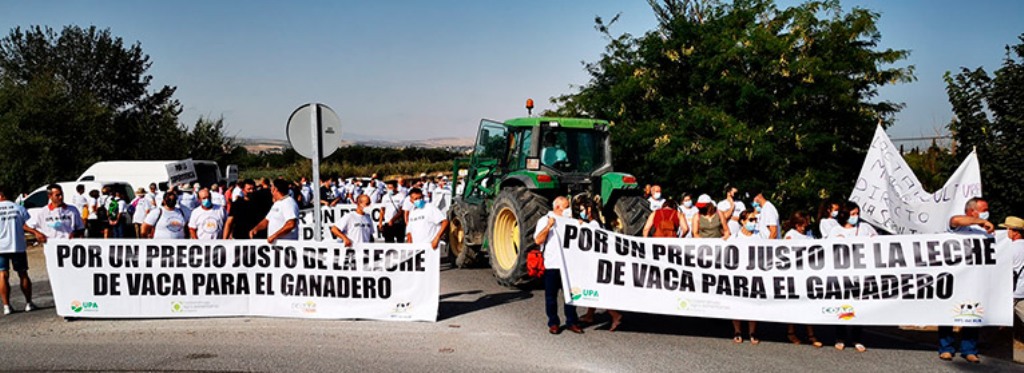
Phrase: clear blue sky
[418,69]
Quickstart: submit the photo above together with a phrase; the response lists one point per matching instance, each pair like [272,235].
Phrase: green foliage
[932,166]
[989,116]
[744,93]
[208,141]
[71,99]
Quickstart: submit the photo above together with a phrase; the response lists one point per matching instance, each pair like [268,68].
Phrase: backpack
[535,264]
[112,209]
[665,226]
[101,211]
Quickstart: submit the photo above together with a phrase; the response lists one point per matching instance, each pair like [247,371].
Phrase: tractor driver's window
[552,151]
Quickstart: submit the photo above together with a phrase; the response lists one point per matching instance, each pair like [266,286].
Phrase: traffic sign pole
[318,146]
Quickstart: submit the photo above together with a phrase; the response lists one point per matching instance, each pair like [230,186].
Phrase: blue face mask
[420,203]
[207,203]
[750,226]
[583,215]
[853,220]
[688,204]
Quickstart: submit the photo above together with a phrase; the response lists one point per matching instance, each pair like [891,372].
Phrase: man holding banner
[282,222]
[548,238]
[973,222]
[355,226]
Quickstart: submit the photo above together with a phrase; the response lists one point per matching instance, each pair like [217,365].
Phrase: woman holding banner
[797,226]
[709,224]
[849,216]
[587,214]
[748,225]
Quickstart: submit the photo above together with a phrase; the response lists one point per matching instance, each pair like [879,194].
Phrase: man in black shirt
[246,212]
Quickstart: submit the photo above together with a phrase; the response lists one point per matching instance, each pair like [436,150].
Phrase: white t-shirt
[794,234]
[79,201]
[723,206]
[57,223]
[553,245]
[656,203]
[358,228]
[167,223]
[209,224]
[1017,247]
[12,232]
[284,210]
[425,223]
[826,226]
[91,205]
[188,201]
[219,200]
[689,213]
[861,230]
[142,208]
[391,205]
[769,216]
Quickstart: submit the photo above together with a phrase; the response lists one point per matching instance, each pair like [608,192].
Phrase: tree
[68,100]
[207,140]
[989,116]
[744,94]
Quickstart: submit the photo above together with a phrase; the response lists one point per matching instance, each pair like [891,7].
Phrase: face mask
[391,192]
[983,215]
[171,202]
[207,203]
[656,195]
[583,215]
[757,208]
[420,203]
[853,220]
[750,226]
[756,205]
[688,204]
[835,214]
[567,213]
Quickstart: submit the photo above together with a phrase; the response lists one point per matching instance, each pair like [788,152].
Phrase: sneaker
[7,310]
[30,307]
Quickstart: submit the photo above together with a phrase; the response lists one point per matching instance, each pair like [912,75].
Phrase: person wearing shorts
[12,250]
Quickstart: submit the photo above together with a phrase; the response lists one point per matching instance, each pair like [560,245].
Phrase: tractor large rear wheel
[629,215]
[510,228]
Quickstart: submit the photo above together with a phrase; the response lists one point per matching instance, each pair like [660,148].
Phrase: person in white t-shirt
[79,199]
[141,204]
[1015,243]
[798,225]
[689,211]
[851,226]
[207,221]
[827,213]
[849,216]
[217,197]
[546,236]
[167,221]
[355,227]
[767,215]
[656,199]
[13,219]
[731,208]
[426,222]
[974,221]
[282,222]
[57,220]
[392,217]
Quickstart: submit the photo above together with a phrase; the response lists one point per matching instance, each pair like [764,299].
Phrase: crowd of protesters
[730,218]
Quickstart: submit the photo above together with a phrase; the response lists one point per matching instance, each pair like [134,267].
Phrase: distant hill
[258,145]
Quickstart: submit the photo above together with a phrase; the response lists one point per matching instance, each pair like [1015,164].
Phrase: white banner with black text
[936,279]
[187,278]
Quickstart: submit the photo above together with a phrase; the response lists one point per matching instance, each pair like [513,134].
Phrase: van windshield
[207,173]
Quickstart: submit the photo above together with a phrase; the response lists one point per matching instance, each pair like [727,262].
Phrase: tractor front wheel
[510,229]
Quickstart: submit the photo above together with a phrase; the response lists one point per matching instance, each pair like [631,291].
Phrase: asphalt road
[481,327]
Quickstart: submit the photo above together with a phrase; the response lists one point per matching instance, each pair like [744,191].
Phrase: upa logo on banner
[969,312]
[584,294]
[844,312]
[402,310]
[87,306]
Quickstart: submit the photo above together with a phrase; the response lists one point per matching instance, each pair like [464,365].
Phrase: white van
[40,198]
[141,173]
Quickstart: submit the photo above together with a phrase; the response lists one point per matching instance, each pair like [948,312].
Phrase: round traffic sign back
[302,130]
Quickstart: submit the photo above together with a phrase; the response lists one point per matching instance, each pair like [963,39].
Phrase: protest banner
[891,197]
[937,279]
[332,214]
[186,278]
[183,171]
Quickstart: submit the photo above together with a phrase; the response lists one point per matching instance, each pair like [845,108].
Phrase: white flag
[892,198]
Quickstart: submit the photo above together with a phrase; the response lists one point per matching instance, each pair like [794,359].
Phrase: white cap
[704,198]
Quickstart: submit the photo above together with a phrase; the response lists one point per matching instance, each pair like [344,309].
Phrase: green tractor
[514,172]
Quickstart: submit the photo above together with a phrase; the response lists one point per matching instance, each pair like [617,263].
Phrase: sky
[411,70]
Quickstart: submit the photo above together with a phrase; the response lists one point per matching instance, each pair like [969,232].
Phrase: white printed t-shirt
[553,244]
[794,234]
[167,223]
[57,223]
[284,210]
[209,224]
[358,228]
[826,226]
[12,232]
[391,205]
[425,223]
